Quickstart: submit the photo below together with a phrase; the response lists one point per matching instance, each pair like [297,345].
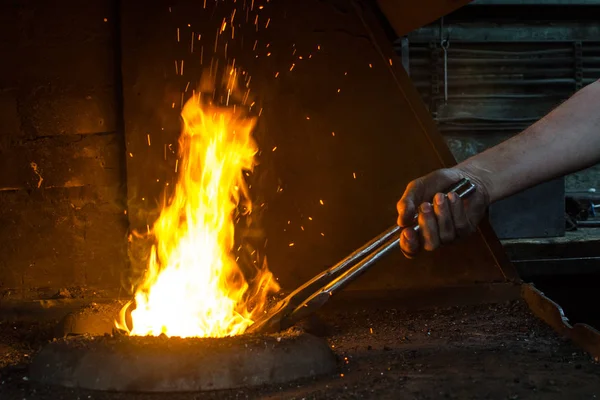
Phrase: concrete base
[160,364]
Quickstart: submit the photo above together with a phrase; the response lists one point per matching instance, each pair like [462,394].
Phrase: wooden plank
[62,238]
[62,161]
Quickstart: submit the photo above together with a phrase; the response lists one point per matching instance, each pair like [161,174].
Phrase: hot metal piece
[314,294]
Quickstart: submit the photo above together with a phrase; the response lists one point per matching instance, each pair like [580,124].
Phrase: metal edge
[385,48]
[584,336]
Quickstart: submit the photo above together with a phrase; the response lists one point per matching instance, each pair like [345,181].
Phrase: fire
[193,286]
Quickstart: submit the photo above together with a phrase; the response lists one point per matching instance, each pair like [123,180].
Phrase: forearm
[564,141]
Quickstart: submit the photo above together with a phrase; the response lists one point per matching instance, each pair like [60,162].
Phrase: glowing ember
[193,286]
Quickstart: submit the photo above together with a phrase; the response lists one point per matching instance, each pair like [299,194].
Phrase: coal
[161,364]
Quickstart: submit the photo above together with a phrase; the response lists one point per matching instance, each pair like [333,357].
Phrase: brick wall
[62,221]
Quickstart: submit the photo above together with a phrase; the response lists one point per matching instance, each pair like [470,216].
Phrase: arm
[564,141]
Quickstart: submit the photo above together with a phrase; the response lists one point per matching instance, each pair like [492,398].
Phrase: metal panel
[383,134]
[405,15]
[495,32]
[537,212]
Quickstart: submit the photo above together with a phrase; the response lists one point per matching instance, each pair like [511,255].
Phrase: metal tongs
[314,294]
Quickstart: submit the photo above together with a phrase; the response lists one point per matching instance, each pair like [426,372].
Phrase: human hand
[444,221]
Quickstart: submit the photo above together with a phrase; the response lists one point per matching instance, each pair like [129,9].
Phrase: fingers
[407,206]
[429,227]
[462,226]
[440,223]
[444,218]
[409,242]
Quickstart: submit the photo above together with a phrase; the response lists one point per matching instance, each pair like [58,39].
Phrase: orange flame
[193,285]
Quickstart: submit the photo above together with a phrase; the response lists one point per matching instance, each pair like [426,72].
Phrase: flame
[193,286]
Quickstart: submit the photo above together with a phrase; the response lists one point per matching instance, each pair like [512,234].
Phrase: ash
[484,351]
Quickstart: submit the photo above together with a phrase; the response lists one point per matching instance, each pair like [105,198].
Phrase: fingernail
[439,199]
[452,197]
[425,208]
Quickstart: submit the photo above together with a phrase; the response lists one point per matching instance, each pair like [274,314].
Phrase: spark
[176,68]
[322,234]
[370,65]
[181,67]
[176,165]
[148,136]
[371,330]
[322,202]
[187,86]
[131,155]
[390,61]
[274,148]
[267,25]
[291,244]
[178,35]
[276,74]
[310,218]
[192,45]
[105,19]
[332,133]
[339,90]
[292,67]
[354,175]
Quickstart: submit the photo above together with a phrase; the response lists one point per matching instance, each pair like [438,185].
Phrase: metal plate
[349,82]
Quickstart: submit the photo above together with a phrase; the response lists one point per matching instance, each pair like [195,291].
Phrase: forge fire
[193,286]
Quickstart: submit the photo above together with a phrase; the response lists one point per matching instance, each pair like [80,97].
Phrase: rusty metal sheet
[551,313]
[349,127]
[405,16]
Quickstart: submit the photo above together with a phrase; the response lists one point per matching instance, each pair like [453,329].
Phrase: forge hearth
[161,364]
